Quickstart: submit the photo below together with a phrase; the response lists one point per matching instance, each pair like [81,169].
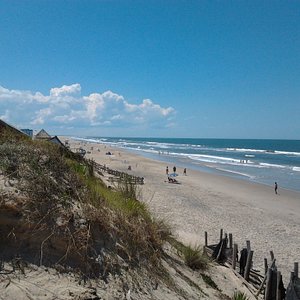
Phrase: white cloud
[65,106]
[65,90]
[5,117]
[117,117]
[64,118]
[94,102]
[112,96]
[41,115]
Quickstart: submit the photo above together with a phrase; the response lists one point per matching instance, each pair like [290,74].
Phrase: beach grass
[142,235]
[193,255]
[239,296]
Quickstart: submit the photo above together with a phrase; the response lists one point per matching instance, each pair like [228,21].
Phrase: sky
[202,69]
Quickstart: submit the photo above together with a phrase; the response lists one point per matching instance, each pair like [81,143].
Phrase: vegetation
[208,280]
[239,296]
[192,256]
[66,210]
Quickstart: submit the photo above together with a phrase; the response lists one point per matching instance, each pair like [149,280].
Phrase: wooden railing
[117,175]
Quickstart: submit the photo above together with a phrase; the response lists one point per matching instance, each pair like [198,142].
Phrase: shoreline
[251,171]
[209,169]
[209,202]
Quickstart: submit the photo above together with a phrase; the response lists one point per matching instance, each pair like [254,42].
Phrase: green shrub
[127,188]
[239,296]
[193,257]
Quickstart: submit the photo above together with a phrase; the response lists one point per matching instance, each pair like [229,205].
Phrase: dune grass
[138,237]
[238,295]
[192,255]
[123,199]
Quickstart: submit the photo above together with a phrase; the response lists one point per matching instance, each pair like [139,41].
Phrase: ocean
[257,160]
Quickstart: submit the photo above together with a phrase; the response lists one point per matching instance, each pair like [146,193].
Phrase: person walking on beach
[276,188]
[167,170]
[174,169]
[184,171]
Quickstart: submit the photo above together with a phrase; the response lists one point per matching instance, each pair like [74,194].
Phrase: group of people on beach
[172,179]
[174,171]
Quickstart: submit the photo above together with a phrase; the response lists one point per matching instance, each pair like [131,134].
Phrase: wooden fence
[266,284]
[117,175]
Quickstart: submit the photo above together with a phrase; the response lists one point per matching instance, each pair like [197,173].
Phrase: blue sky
[223,69]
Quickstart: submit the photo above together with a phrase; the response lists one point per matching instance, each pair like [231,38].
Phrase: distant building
[29,132]
[42,135]
[57,141]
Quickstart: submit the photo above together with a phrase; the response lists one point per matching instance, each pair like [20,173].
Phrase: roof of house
[56,140]
[42,134]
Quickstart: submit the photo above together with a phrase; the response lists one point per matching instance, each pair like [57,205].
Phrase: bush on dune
[239,296]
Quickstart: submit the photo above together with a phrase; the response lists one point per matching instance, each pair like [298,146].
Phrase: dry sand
[208,202]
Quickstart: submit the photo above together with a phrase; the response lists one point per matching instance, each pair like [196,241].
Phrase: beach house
[42,135]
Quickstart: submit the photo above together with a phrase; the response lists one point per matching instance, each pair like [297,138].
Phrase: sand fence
[268,284]
[117,176]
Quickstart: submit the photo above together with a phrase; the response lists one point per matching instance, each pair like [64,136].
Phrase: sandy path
[207,202]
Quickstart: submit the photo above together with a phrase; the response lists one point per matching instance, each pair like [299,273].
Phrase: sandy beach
[207,202]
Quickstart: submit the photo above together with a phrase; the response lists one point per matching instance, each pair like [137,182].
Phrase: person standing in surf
[276,188]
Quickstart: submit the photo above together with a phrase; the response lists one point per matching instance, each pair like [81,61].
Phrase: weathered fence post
[206,243]
[221,234]
[266,265]
[230,240]
[278,290]
[268,284]
[296,268]
[248,246]
[234,253]
[248,265]
[265,279]
[272,255]
[292,276]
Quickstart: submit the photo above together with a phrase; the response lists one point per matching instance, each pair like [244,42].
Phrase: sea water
[262,161]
